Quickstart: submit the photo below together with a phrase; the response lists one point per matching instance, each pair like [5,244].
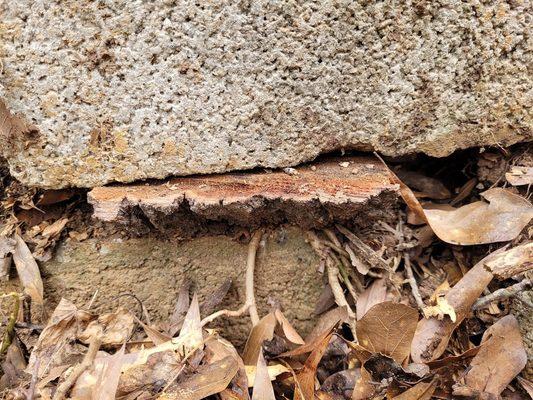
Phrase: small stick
[250,267]
[412,281]
[249,304]
[87,362]
[502,294]
[338,293]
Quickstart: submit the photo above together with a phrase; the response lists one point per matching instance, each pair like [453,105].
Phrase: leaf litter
[416,310]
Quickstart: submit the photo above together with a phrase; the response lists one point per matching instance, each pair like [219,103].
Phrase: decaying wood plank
[313,195]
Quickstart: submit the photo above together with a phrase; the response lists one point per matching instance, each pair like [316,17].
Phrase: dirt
[153,270]
[525,320]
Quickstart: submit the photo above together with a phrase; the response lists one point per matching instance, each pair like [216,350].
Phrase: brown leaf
[501,358]
[288,330]
[305,379]
[51,348]
[501,218]
[153,334]
[432,335]
[107,381]
[374,294]
[214,298]
[55,228]
[50,197]
[388,328]
[112,328]
[180,309]
[208,380]
[263,389]
[421,391]
[326,323]
[527,385]
[512,262]
[264,330]
[519,175]
[191,331]
[429,187]
[28,271]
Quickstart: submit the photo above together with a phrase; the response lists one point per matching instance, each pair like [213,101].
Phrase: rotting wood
[314,196]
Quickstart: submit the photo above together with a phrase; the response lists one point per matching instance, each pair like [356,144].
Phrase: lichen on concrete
[121,91]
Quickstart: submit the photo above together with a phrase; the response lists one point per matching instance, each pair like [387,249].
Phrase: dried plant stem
[412,281]
[10,326]
[338,293]
[250,268]
[86,363]
[249,305]
[501,294]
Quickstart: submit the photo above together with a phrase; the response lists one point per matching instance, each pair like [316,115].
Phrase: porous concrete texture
[115,90]
[153,270]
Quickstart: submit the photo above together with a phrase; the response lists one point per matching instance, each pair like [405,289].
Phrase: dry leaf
[305,386]
[28,271]
[501,218]
[432,335]
[512,262]
[388,328]
[113,328]
[55,228]
[289,332]
[527,385]
[326,323]
[153,334]
[374,294]
[427,186]
[440,306]
[191,332]
[421,391]
[519,175]
[51,348]
[263,389]
[180,309]
[273,372]
[501,357]
[208,380]
[107,381]
[264,330]
[50,197]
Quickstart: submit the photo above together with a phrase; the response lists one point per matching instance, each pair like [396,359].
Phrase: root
[502,294]
[412,281]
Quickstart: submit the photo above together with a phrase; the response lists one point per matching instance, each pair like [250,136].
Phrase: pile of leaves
[418,310]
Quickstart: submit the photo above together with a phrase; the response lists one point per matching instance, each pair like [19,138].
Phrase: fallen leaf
[326,323]
[440,306]
[107,381]
[51,348]
[191,332]
[113,328]
[527,385]
[263,389]
[153,334]
[432,335]
[180,309]
[289,332]
[305,379]
[28,271]
[374,294]
[208,380]
[519,175]
[55,228]
[273,372]
[512,262]
[500,359]
[501,218]
[388,328]
[421,391]
[50,197]
[264,330]
[429,187]
[341,383]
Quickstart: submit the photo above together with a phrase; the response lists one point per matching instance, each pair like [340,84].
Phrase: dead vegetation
[417,308]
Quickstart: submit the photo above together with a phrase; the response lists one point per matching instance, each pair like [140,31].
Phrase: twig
[502,294]
[336,289]
[86,363]
[249,305]
[250,267]
[412,281]
[345,277]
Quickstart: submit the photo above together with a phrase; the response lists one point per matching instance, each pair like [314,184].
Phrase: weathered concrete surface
[153,270]
[121,91]
[338,189]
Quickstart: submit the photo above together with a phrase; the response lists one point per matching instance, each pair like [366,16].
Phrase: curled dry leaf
[326,322]
[52,348]
[427,186]
[55,228]
[264,330]
[113,328]
[440,306]
[374,294]
[498,219]
[519,175]
[273,371]
[421,391]
[191,332]
[500,359]
[388,328]
[263,389]
[432,335]
[108,378]
[28,271]
[288,330]
[512,262]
